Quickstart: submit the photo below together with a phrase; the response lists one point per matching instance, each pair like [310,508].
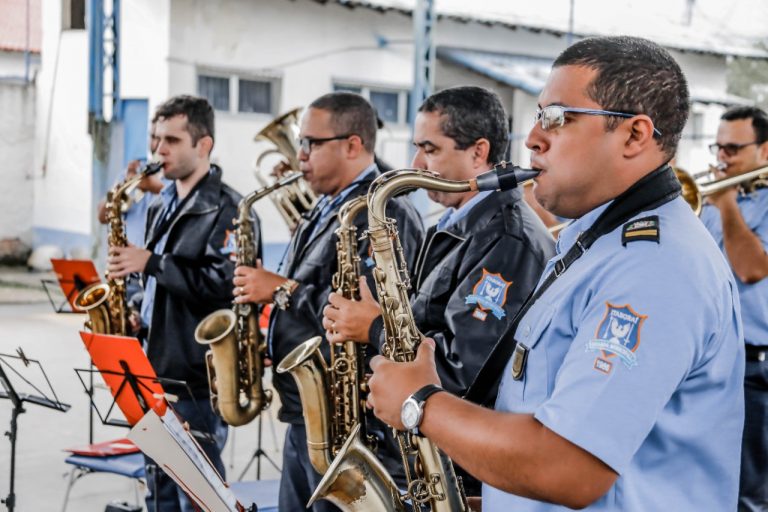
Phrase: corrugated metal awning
[528,73]
[519,71]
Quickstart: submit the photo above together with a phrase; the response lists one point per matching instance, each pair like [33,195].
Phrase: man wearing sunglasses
[336,155]
[626,363]
[738,220]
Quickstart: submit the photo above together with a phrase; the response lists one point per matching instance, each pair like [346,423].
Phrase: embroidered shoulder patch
[646,228]
[617,335]
[489,294]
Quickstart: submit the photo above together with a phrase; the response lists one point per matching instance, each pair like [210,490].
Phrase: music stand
[18,399]
[257,454]
[72,276]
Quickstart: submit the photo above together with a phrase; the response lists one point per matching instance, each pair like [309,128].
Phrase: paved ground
[28,321]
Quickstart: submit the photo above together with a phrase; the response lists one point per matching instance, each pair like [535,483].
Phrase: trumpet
[694,193]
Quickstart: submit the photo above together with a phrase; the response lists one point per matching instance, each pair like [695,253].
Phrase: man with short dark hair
[478,263]
[625,363]
[337,139]
[188,267]
[737,217]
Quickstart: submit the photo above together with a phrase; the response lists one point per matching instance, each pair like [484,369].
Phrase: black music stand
[258,454]
[18,399]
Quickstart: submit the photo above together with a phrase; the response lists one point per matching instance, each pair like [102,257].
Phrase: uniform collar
[571,232]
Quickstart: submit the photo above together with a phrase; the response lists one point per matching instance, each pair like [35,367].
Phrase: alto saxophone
[106,303]
[432,481]
[235,360]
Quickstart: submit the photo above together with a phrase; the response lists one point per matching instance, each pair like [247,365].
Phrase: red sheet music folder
[73,276]
[111,355]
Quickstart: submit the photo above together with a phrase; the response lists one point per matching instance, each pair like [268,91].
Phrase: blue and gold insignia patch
[230,243]
[617,335]
[646,228]
[489,294]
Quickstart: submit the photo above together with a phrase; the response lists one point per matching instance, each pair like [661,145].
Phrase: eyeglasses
[729,149]
[306,143]
[553,116]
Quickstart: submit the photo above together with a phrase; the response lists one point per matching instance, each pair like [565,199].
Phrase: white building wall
[304,45]
[17,132]
[62,163]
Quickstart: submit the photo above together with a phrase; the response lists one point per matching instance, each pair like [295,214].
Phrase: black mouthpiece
[151,168]
[504,177]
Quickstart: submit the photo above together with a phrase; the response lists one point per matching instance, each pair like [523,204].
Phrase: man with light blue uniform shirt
[738,221]
[621,376]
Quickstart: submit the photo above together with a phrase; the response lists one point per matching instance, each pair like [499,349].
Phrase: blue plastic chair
[128,464]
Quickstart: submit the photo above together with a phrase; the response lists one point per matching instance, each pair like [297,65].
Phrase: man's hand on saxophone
[126,260]
[392,382]
[255,284]
[346,320]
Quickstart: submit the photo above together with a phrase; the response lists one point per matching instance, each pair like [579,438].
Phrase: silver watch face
[281,299]
[410,414]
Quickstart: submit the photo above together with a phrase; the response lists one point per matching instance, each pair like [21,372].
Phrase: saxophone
[106,303]
[432,481]
[331,399]
[235,363]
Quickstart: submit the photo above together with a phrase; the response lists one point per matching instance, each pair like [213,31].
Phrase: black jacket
[194,277]
[312,262]
[500,235]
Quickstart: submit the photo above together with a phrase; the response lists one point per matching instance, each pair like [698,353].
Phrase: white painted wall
[17,135]
[304,45]
[62,163]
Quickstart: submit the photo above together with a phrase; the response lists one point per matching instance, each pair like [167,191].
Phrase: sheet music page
[176,452]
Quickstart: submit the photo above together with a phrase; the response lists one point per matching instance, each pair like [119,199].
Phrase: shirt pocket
[527,392]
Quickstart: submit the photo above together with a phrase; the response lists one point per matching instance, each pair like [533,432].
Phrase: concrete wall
[62,161]
[17,134]
[304,46]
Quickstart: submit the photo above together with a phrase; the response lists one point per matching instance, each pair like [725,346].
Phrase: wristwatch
[281,297]
[412,411]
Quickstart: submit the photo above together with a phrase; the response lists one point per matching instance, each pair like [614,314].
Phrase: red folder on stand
[73,276]
[127,372]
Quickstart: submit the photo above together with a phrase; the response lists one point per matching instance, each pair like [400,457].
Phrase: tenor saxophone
[106,303]
[335,387]
[432,482]
[234,361]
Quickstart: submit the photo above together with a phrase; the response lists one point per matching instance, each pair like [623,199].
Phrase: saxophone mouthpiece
[151,168]
[503,176]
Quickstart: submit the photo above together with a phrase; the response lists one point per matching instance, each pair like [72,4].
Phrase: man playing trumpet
[737,217]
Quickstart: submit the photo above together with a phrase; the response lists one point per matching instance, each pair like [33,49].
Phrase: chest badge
[617,335]
[489,295]
[519,360]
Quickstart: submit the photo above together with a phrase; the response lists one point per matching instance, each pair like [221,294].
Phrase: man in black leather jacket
[187,269]
[338,135]
[479,262]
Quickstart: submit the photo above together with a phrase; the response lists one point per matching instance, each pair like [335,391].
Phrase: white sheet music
[178,454]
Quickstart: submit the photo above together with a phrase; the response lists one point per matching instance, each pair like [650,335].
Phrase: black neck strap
[652,191]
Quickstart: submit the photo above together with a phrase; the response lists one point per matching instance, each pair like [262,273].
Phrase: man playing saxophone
[188,267]
[628,360]
[738,220]
[478,263]
[337,140]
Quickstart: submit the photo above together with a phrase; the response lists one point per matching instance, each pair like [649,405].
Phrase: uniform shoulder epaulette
[646,228]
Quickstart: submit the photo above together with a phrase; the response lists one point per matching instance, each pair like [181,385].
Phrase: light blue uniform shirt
[754,297]
[636,356]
